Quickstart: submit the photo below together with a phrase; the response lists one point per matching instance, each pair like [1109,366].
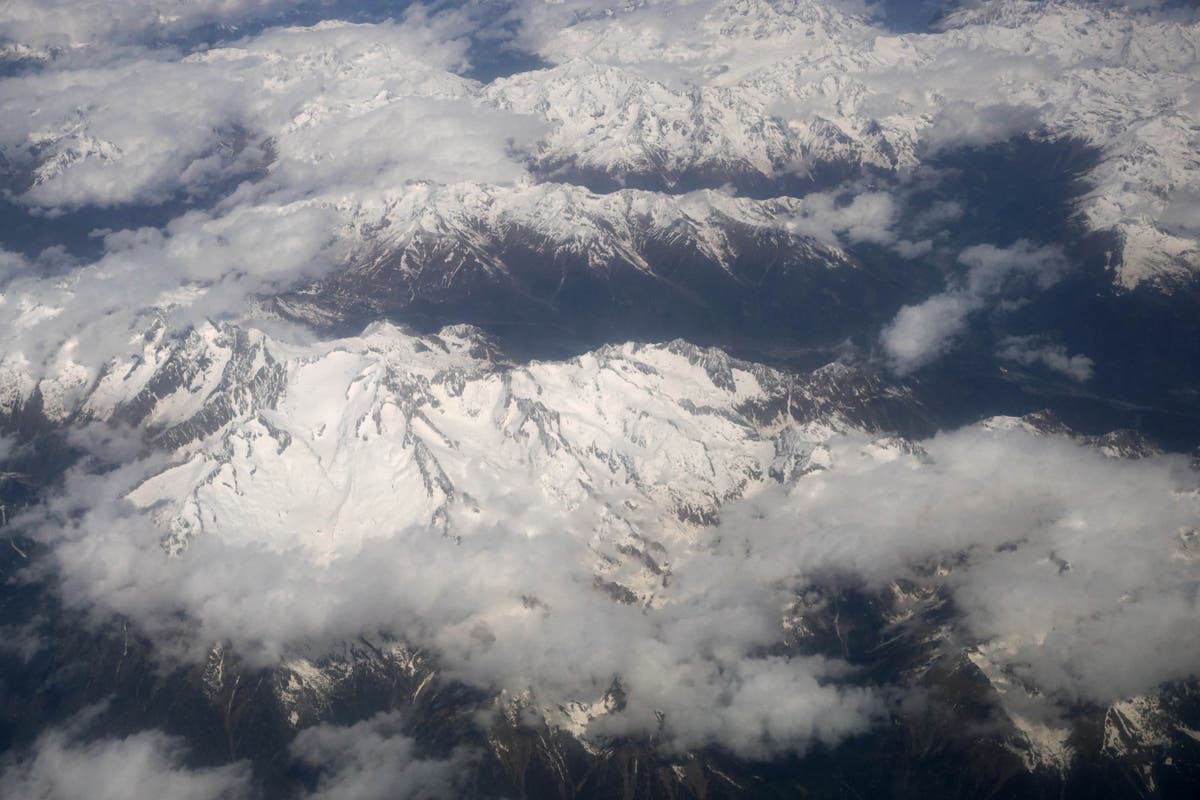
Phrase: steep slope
[629,264]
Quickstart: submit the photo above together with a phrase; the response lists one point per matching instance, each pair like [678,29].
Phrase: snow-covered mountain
[673,430]
[552,254]
[647,460]
[768,98]
[782,95]
[353,419]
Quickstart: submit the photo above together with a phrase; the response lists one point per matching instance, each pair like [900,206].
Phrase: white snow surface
[389,431]
[654,507]
[510,517]
[347,116]
[776,87]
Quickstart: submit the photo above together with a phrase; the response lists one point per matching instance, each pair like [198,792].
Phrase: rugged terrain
[640,399]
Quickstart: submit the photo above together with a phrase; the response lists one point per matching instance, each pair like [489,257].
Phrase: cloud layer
[144,764]
[268,158]
[276,152]
[1074,569]
[372,760]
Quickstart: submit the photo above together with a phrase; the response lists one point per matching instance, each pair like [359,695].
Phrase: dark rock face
[744,178]
[665,286]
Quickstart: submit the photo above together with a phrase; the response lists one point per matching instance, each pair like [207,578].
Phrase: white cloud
[374,760]
[962,123]
[1092,593]
[134,132]
[335,108]
[61,766]
[692,661]
[48,28]
[909,249]
[509,602]
[937,217]
[324,126]
[1031,350]
[867,217]
[1183,209]
[920,334]
[11,264]
[992,269]
[371,760]
[794,84]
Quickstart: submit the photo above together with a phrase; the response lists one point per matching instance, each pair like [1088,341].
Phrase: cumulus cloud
[686,41]
[937,217]
[374,760]
[371,760]
[199,265]
[62,766]
[1183,210]
[867,217]
[323,124]
[991,268]
[818,80]
[11,264]
[119,135]
[1030,350]
[921,334]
